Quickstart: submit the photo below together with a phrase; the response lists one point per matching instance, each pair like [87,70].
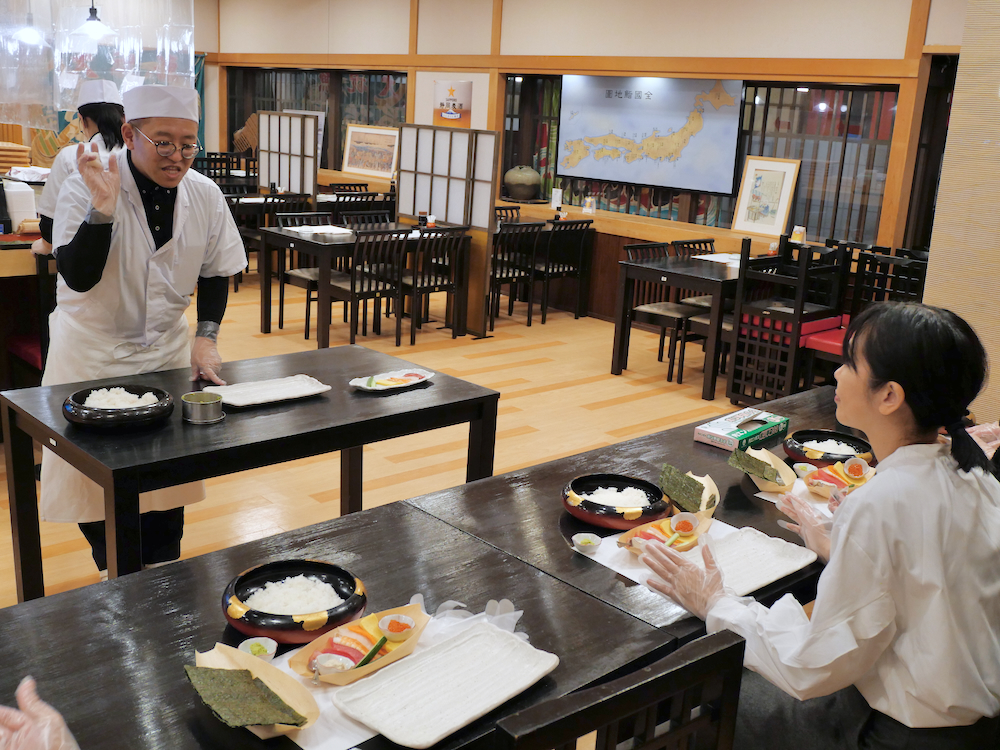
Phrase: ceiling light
[843,107]
[756,100]
[822,106]
[802,90]
[93,28]
[517,79]
[29,35]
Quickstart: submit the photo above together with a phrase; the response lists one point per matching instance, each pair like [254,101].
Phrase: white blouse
[907,609]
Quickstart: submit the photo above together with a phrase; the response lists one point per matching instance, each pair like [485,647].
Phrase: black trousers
[160,533]
[769,719]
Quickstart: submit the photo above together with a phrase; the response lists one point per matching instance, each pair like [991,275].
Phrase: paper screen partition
[287,151]
[451,174]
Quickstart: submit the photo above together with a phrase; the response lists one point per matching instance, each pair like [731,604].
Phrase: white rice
[628,497]
[831,446]
[295,595]
[118,398]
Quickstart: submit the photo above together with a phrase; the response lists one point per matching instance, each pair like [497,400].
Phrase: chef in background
[132,241]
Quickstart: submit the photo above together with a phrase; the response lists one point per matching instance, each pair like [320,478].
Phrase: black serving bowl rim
[75,412]
[657,506]
[795,448]
[349,586]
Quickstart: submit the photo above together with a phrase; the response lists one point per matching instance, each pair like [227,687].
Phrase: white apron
[75,354]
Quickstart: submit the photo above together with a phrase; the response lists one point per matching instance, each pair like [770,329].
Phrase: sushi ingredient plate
[269,391]
[423,699]
[386,381]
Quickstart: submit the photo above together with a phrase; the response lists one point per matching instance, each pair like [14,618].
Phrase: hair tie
[955,427]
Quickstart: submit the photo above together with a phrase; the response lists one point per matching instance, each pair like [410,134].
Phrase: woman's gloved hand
[810,524]
[694,589]
[37,726]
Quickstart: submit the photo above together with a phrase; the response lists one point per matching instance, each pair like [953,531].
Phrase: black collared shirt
[159,204]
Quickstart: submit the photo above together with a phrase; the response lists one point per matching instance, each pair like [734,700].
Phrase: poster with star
[453,104]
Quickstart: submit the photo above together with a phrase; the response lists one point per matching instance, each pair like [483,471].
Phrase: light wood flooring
[558,398]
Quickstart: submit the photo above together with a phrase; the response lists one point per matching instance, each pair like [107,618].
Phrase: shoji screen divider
[288,148]
[451,174]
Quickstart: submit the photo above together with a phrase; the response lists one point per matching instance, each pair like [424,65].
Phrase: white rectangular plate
[420,700]
[362,383]
[320,229]
[268,391]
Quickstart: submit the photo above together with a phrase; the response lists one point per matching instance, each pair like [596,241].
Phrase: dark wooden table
[521,512]
[325,248]
[110,656]
[343,419]
[707,277]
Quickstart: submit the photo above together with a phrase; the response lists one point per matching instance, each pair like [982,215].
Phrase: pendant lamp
[92,30]
[29,34]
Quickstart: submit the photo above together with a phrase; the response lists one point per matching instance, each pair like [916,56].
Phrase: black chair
[434,269]
[304,277]
[355,202]
[562,256]
[687,699]
[347,187]
[214,165]
[651,305]
[364,219]
[250,224]
[687,249]
[27,352]
[376,273]
[506,213]
[513,251]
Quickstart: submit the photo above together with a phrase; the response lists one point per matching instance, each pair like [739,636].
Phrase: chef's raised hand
[810,524]
[103,183]
[206,364]
[694,589]
[37,726]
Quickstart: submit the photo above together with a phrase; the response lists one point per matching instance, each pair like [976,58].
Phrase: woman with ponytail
[903,645]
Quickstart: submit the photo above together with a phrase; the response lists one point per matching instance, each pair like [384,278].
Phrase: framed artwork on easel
[765,197]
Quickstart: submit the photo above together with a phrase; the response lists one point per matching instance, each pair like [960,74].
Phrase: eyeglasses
[166,148]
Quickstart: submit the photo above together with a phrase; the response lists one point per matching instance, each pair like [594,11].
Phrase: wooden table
[707,277]
[327,247]
[521,512]
[110,656]
[124,464]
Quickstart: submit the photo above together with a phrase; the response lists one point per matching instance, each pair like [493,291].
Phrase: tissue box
[747,428]
[20,202]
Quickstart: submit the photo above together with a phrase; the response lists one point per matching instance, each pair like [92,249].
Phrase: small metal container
[202,407]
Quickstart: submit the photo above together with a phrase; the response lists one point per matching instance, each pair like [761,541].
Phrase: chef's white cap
[98,91]
[160,101]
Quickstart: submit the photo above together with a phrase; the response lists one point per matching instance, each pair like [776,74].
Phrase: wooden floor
[558,398]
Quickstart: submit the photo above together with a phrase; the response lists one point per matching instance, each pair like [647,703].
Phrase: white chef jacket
[64,167]
[132,321]
[907,609]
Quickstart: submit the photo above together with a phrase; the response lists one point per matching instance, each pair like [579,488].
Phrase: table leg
[121,526]
[264,269]
[350,480]
[482,443]
[323,307]
[460,315]
[619,355]
[712,347]
[23,502]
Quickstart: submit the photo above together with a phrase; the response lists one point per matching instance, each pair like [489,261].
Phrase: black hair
[935,356]
[108,118]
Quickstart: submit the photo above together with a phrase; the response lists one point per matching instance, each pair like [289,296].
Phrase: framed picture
[765,196]
[371,150]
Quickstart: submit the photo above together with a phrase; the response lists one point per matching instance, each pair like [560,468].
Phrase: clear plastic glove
[37,726]
[810,524]
[41,247]
[103,184]
[206,363]
[836,499]
[694,589]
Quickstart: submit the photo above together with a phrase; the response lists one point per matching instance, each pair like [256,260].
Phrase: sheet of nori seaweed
[239,699]
[681,489]
[745,462]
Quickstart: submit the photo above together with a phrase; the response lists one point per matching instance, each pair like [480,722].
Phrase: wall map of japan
[672,132]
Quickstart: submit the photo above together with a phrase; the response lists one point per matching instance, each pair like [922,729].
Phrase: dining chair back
[513,251]
[27,352]
[687,699]
[214,165]
[688,249]
[890,278]
[356,202]
[303,277]
[364,219]
[347,187]
[780,301]
[434,268]
[563,255]
[506,213]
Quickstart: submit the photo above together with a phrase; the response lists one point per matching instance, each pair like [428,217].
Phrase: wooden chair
[780,301]
[27,352]
[376,273]
[214,165]
[364,219]
[687,249]
[434,269]
[251,224]
[687,699]
[506,213]
[304,278]
[564,255]
[354,202]
[651,304]
[347,187]
[513,250]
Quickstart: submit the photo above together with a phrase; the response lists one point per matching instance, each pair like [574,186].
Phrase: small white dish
[586,543]
[856,468]
[691,518]
[802,469]
[332,663]
[396,635]
[379,382]
[269,645]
